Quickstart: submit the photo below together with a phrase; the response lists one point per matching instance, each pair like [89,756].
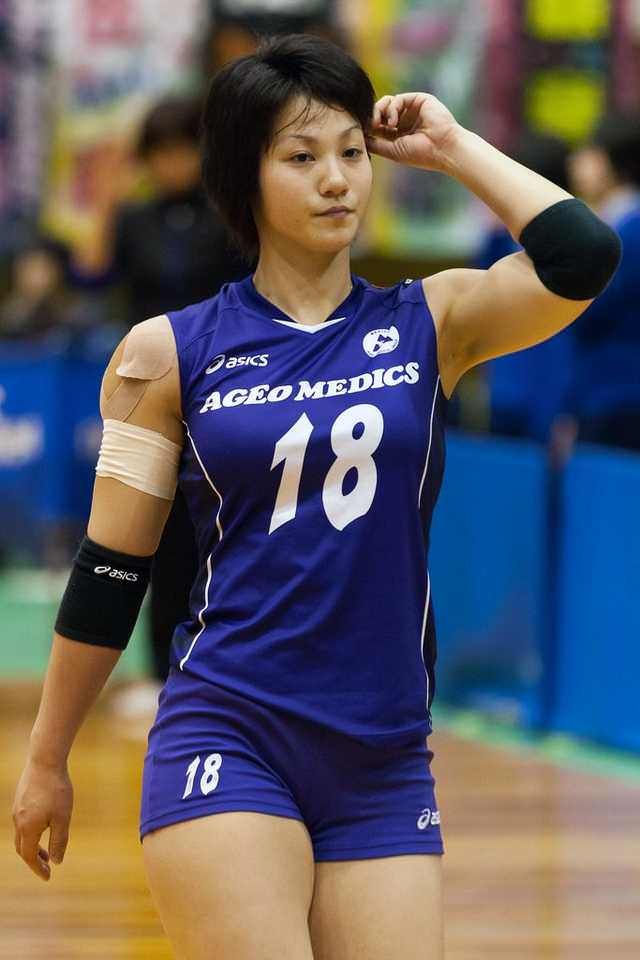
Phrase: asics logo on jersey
[428,818]
[380,341]
[259,360]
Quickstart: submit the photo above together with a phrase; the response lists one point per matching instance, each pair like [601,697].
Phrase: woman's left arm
[526,297]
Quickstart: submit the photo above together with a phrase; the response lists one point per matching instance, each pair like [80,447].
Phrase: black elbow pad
[575,254]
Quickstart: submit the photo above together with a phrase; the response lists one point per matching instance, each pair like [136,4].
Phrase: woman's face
[591,175]
[314,163]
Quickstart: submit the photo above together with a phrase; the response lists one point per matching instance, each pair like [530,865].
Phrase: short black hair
[244,100]
[618,134]
[174,119]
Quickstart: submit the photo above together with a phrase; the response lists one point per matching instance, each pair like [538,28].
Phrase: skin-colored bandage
[141,458]
[149,354]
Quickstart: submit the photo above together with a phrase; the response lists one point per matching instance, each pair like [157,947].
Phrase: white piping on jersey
[426,463]
[209,568]
[428,597]
[308,327]
[424,624]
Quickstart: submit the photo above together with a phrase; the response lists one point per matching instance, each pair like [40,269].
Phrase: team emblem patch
[380,341]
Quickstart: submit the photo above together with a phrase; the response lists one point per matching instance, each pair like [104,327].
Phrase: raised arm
[570,254]
[134,488]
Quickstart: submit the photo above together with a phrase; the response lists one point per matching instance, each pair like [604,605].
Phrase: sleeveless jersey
[313,461]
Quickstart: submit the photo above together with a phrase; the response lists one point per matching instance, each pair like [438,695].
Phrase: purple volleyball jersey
[313,461]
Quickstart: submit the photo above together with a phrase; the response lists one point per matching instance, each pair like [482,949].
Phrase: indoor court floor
[542,861]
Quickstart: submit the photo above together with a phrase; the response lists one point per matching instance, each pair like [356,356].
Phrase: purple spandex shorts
[211,750]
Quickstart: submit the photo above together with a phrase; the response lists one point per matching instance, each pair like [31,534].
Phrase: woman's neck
[308,289]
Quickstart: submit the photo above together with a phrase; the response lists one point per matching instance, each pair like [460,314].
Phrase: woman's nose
[333,178]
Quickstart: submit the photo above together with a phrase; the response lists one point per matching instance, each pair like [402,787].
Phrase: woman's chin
[328,245]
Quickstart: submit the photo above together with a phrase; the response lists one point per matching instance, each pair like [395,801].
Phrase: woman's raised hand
[414,129]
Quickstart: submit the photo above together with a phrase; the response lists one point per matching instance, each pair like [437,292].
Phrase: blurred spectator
[40,305]
[235,33]
[526,389]
[603,402]
[169,250]
[165,252]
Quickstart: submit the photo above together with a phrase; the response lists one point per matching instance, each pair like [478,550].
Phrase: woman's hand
[414,129]
[44,798]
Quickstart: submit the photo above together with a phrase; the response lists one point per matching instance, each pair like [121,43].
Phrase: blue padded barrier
[489,571]
[50,432]
[598,654]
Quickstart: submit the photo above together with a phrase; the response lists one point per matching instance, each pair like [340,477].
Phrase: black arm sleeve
[575,254]
[103,597]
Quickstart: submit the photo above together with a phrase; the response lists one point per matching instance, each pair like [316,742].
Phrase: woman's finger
[393,111]
[32,854]
[378,109]
[58,840]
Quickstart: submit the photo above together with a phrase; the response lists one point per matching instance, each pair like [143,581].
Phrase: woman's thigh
[233,886]
[386,908]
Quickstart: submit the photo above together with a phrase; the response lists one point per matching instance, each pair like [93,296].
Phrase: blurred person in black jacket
[164,253]
[527,388]
[603,400]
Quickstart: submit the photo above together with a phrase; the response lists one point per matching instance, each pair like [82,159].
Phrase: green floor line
[556,748]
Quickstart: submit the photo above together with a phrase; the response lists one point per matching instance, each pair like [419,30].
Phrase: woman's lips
[341,212]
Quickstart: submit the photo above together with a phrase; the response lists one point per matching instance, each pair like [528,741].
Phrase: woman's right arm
[123,519]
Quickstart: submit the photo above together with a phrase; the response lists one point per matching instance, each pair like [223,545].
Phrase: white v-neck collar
[308,327]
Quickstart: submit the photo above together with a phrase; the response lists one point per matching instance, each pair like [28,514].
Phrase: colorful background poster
[504,67]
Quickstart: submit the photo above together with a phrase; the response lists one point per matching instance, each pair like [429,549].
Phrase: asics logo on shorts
[380,341]
[428,818]
[258,360]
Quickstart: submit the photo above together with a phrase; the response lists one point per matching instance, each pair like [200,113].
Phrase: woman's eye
[354,151]
[301,156]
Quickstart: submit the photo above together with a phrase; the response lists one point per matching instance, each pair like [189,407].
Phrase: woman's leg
[233,886]
[387,908]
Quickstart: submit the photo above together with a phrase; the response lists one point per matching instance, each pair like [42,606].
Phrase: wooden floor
[541,862]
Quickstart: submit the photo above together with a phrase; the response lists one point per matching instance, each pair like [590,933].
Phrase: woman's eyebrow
[310,139]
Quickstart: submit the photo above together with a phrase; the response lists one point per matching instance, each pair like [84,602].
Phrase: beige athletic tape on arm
[149,354]
[140,458]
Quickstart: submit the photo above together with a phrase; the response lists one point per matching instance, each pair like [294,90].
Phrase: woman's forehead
[309,118]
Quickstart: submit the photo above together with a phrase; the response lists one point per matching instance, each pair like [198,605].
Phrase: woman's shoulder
[149,350]
[141,383]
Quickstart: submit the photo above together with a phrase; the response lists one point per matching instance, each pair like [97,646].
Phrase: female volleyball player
[288,808]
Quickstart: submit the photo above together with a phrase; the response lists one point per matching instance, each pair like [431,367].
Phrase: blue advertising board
[49,438]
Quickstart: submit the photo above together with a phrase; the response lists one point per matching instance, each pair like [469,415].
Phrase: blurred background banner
[434,45]
[26,111]
[112,58]
[504,68]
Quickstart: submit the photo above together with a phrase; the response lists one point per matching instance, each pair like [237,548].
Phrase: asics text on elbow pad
[575,254]
[103,597]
